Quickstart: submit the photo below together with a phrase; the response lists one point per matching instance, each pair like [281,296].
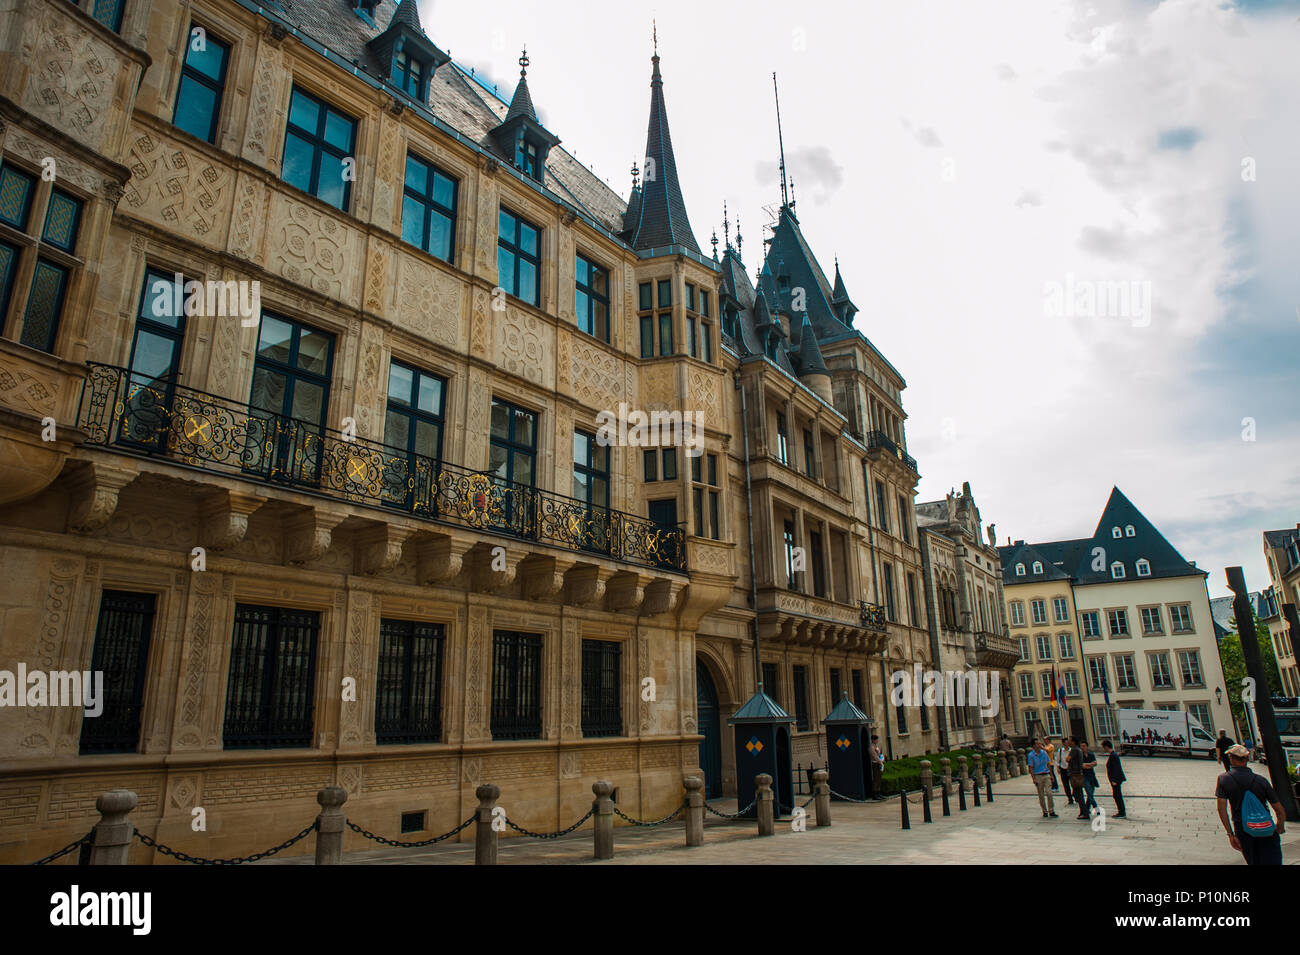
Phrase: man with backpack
[1252,830]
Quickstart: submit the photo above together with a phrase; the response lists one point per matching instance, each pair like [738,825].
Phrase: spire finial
[636,173]
[714,241]
[739,240]
[654,26]
[785,198]
[523,62]
[726,225]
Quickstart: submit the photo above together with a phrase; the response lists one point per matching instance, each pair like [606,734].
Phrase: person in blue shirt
[1040,769]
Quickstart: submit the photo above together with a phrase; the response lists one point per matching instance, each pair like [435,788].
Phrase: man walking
[1259,842]
[1115,773]
[1222,744]
[1090,783]
[1062,758]
[877,767]
[1051,763]
[1039,768]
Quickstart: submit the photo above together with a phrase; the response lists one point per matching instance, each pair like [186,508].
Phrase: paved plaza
[1171,820]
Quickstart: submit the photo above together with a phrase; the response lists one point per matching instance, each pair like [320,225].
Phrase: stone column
[927,777]
[822,797]
[945,770]
[604,820]
[485,837]
[330,825]
[1002,766]
[963,774]
[694,810]
[765,804]
[978,772]
[114,832]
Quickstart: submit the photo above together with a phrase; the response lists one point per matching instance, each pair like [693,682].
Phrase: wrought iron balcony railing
[878,439]
[872,616]
[145,416]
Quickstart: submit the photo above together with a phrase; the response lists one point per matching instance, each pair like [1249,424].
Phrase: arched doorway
[710,727]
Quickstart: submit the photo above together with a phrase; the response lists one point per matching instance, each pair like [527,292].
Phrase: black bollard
[946,811]
[902,801]
[961,798]
[925,804]
[988,786]
[975,792]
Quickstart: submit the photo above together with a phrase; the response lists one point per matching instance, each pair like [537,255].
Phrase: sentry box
[848,739]
[762,732]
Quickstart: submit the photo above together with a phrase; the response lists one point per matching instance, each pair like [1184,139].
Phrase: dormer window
[408,74]
[1115,532]
[1129,531]
[1143,568]
[783,283]
[526,159]
[1038,566]
[365,9]
[1117,571]
[1020,570]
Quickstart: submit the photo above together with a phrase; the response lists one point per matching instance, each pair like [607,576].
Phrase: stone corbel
[586,585]
[309,533]
[94,496]
[661,596]
[377,549]
[493,572]
[803,632]
[223,518]
[543,577]
[440,560]
[626,591]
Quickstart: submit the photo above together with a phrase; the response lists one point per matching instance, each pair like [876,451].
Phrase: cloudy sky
[979,169]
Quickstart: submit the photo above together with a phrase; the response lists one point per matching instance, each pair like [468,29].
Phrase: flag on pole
[1056,686]
[1105,689]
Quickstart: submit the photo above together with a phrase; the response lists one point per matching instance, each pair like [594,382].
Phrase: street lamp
[1218,694]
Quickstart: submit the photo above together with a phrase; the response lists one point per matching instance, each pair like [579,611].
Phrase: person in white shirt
[1061,757]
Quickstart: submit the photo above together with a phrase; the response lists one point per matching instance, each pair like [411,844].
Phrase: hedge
[905,773]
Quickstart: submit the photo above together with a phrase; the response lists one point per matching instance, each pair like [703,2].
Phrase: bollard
[961,799]
[977,770]
[1002,766]
[963,774]
[988,787]
[945,770]
[927,775]
[694,810]
[766,804]
[485,837]
[925,804]
[822,797]
[603,830]
[975,792]
[114,831]
[330,825]
[1024,764]
[947,811]
[902,801]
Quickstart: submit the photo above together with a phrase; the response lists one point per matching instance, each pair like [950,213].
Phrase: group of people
[1075,764]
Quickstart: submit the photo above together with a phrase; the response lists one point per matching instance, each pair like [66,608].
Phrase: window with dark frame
[649,466]
[855,680]
[818,563]
[106,12]
[591,487]
[799,677]
[882,512]
[413,423]
[289,399]
[602,700]
[770,685]
[513,446]
[890,610]
[408,682]
[319,145]
[782,440]
[121,654]
[913,608]
[429,208]
[704,474]
[591,298]
[519,261]
[408,74]
[202,85]
[270,699]
[837,685]
[904,525]
[516,685]
[788,532]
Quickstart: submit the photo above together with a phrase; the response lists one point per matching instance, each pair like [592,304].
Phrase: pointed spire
[810,355]
[521,104]
[844,308]
[662,219]
[408,12]
[726,226]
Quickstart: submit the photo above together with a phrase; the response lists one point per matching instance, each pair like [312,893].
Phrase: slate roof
[846,712]
[661,219]
[1027,554]
[1283,537]
[456,99]
[761,708]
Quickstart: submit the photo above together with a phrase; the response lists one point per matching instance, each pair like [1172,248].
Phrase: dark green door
[710,726]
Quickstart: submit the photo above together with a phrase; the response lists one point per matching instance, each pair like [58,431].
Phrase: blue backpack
[1256,820]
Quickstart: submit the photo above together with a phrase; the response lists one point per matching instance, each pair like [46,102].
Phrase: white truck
[1175,732]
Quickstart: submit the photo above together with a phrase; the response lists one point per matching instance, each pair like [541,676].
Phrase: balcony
[996,651]
[787,616]
[881,441]
[213,434]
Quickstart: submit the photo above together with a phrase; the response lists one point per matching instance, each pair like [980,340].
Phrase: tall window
[54,254]
[901,714]
[1026,686]
[818,564]
[591,487]
[413,424]
[121,653]
[1105,720]
[782,440]
[1061,609]
[770,686]
[1090,623]
[591,299]
[527,159]
[913,607]
[1096,672]
[1024,649]
[408,685]
[1162,677]
[656,323]
[1118,620]
[1044,643]
[1066,643]
[1039,610]
[1054,722]
[519,259]
[429,208]
[1017,613]
[289,399]
[1189,667]
[904,526]
[837,685]
[319,149]
[1201,713]
[514,443]
[1046,677]
[799,674]
[1151,620]
[890,611]
[270,691]
[203,83]
[809,454]
[704,474]
[516,685]
[602,707]
[665,317]
[1125,672]
[789,556]
[882,512]
[855,680]
[1180,615]
[1071,678]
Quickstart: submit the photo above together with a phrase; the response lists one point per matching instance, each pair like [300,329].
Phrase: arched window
[1130,531]
[1038,566]
[1115,532]
[1117,570]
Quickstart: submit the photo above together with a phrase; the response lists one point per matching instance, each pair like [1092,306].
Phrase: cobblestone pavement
[1171,819]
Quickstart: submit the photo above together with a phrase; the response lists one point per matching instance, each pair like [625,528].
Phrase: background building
[1147,635]
[1282,551]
